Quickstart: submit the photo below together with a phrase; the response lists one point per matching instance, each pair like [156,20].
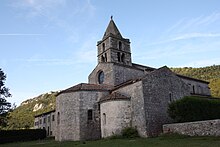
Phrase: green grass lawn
[164,141]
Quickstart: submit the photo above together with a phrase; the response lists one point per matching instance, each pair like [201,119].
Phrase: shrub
[194,109]
[115,137]
[129,132]
[21,135]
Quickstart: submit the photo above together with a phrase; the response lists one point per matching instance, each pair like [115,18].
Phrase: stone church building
[120,94]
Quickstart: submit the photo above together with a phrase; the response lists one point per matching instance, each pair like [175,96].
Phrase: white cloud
[48,8]
[181,49]
[185,36]
[186,24]
[69,16]
[194,35]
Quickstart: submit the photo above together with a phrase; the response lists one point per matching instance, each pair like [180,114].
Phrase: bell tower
[113,47]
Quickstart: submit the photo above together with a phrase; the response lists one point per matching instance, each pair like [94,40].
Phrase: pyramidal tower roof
[112,29]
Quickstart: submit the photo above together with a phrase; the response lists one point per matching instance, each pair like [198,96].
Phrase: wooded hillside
[23,116]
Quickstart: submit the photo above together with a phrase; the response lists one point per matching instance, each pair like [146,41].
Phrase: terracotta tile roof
[87,87]
[114,96]
[129,82]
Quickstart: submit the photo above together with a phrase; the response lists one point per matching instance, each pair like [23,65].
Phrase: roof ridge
[114,96]
[112,29]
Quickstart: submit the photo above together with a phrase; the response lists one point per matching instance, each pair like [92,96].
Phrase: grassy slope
[165,141]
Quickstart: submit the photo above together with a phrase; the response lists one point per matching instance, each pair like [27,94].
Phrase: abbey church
[120,94]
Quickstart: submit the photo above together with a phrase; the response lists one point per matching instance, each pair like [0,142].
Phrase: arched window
[119,45]
[193,89]
[101,77]
[104,118]
[102,59]
[103,47]
[90,114]
[58,118]
[119,58]
[170,96]
[122,57]
[105,57]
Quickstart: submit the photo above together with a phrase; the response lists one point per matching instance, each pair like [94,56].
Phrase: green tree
[4,105]
[4,93]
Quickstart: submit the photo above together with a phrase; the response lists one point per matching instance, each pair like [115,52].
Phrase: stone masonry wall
[115,115]
[123,74]
[161,87]
[198,128]
[73,109]
[197,87]
[68,122]
[111,48]
[114,74]
[90,129]
[46,122]
[135,92]
[107,68]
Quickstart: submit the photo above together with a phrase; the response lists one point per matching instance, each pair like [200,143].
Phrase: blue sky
[49,45]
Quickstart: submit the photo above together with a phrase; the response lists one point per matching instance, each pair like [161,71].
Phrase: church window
[44,120]
[40,121]
[102,59]
[120,45]
[193,89]
[101,77]
[98,106]
[58,118]
[104,118]
[36,123]
[119,58]
[122,57]
[105,57]
[90,114]
[53,118]
[103,47]
[170,96]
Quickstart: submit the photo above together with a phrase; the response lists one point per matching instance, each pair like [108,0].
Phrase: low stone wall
[198,128]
